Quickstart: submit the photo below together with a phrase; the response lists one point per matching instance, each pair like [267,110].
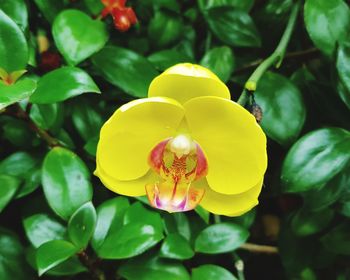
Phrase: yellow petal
[228,205]
[135,187]
[234,144]
[127,138]
[185,81]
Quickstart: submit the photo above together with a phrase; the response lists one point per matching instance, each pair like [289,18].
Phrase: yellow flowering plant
[187,144]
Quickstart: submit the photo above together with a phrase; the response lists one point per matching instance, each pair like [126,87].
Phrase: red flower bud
[123,17]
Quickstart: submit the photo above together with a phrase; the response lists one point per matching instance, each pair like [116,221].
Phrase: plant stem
[239,264]
[95,272]
[255,248]
[275,58]
[43,134]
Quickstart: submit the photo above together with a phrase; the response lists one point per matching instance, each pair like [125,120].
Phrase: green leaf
[91,146]
[94,6]
[165,28]
[204,214]
[51,88]
[343,64]
[17,11]
[18,164]
[77,36]
[16,92]
[210,271]
[86,120]
[52,253]
[46,115]
[338,239]
[146,267]
[129,241]
[32,180]
[214,58]
[306,222]
[178,223]
[233,27]
[344,93]
[81,225]
[109,220]
[326,23]
[319,199]
[133,73]
[8,188]
[283,108]
[41,228]
[138,213]
[175,246]
[245,5]
[221,238]
[315,158]
[66,182]
[50,8]
[167,58]
[12,262]
[12,40]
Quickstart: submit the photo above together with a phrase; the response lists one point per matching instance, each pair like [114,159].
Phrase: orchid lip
[178,161]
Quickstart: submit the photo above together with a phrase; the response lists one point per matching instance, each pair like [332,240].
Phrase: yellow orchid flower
[184,145]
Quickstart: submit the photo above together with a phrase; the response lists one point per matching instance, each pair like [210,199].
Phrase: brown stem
[299,55]
[43,134]
[91,265]
[255,248]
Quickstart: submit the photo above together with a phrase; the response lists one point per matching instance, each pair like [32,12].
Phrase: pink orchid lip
[178,162]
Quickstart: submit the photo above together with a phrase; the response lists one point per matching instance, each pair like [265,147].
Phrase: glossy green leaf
[233,27]
[245,5]
[32,180]
[41,228]
[91,146]
[50,8]
[319,199]
[283,108]
[78,36]
[337,240]
[86,120]
[52,253]
[306,222]
[51,88]
[18,164]
[165,28]
[12,262]
[131,240]
[146,267]
[81,225]
[12,38]
[66,182]
[175,246]
[109,220]
[16,92]
[221,61]
[204,214]
[137,213]
[178,223]
[167,58]
[343,64]
[344,93]
[133,73]
[315,158]
[221,238]
[326,22]
[46,115]
[17,10]
[8,188]
[210,271]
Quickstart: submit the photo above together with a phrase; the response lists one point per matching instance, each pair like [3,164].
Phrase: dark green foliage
[56,217]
